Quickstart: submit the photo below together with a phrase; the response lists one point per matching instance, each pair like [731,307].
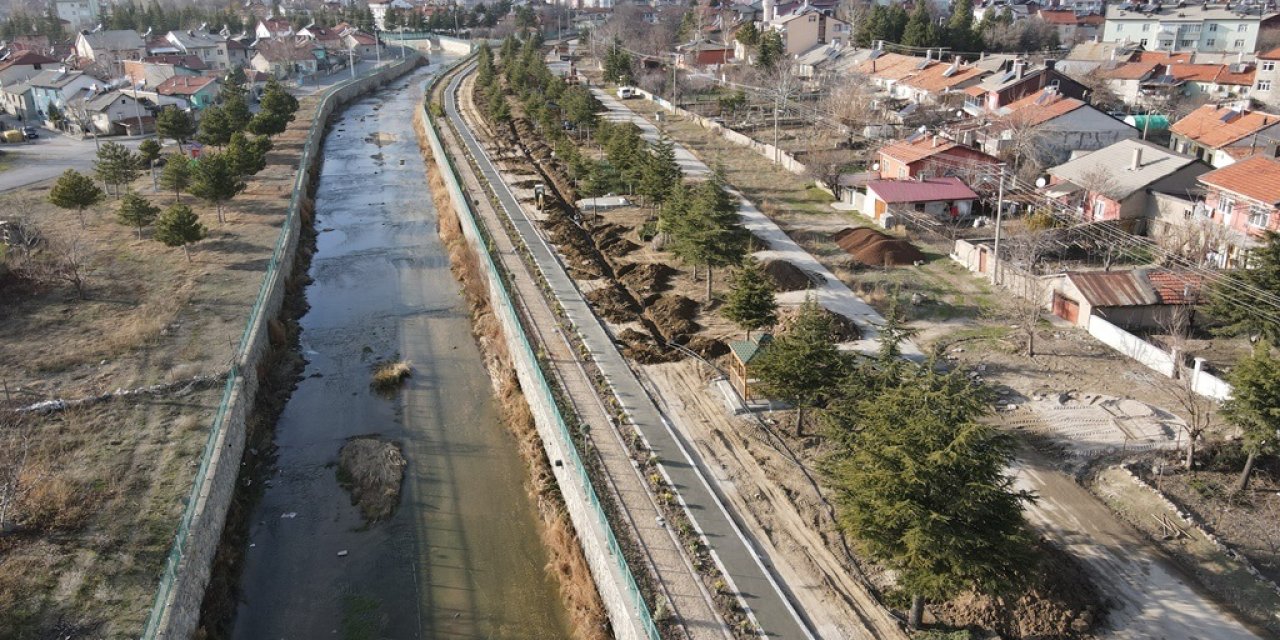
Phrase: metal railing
[506,306]
[176,554]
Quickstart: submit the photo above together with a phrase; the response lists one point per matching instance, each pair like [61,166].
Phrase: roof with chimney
[1114,167]
[114,40]
[54,78]
[941,77]
[1039,108]
[26,58]
[890,66]
[920,147]
[1214,127]
[184,85]
[192,39]
[1257,178]
[284,50]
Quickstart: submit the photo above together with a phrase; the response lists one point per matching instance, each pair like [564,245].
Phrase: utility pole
[351,60]
[137,109]
[995,263]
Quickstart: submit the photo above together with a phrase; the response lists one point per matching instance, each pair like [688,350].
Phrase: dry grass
[389,376]
[372,470]
[103,487]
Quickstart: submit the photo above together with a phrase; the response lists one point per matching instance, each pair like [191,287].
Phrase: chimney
[928,55]
[936,137]
[1137,159]
[768,11]
[1019,67]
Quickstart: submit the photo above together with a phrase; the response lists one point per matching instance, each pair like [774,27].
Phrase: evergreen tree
[278,101]
[751,304]
[708,232]
[771,50]
[896,20]
[214,180]
[115,166]
[176,124]
[499,112]
[74,190]
[660,173]
[748,35]
[136,211]
[247,155]
[1239,313]
[179,226]
[236,108]
[148,152]
[176,175]
[960,32]
[873,26]
[919,31]
[802,366]
[1254,406]
[215,127]
[921,485]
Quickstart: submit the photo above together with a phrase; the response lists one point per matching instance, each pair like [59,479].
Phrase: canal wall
[628,613]
[175,613]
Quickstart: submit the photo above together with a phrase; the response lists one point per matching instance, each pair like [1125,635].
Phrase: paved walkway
[678,580]
[751,577]
[832,294]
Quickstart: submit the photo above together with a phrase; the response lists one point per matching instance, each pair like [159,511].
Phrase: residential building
[941,82]
[78,14]
[365,45]
[925,156]
[1266,79]
[1129,299]
[1218,82]
[106,112]
[231,54]
[1222,135]
[1115,183]
[201,45]
[22,65]
[57,86]
[1072,27]
[1053,125]
[109,47]
[153,70]
[273,28]
[17,99]
[945,198]
[198,91]
[381,7]
[1015,79]
[704,53]
[811,28]
[1189,27]
[284,58]
[1244,199]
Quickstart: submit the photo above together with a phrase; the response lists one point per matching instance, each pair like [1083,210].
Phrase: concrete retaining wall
[180,607]
[1126,343]
[586,515]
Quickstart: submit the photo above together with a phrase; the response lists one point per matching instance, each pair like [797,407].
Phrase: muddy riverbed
[460,557]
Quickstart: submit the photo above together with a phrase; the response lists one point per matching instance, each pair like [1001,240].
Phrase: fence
[1145,353]
[541,398]
[175,611]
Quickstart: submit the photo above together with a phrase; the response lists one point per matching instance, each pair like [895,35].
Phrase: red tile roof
[1176,287]
[1257,178]
[183,85]
[1040,107]
[26,57]
[1211,126]
[935,80]
[1131,70]
[931,190]
[909,152]
[1273,54]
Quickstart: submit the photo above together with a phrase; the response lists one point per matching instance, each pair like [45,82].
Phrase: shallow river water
[461,557]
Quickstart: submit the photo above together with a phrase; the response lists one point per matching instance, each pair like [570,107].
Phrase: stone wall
[177,608]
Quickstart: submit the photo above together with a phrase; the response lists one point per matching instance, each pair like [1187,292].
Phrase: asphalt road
[763,591]
[48,156]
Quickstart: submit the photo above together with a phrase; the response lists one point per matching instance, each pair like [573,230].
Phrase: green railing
[176,553]
[506,306]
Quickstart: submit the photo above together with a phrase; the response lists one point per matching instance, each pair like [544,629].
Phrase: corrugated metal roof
[931,190]
[1113,288]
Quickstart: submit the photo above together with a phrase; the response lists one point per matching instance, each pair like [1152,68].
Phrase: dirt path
[771,490]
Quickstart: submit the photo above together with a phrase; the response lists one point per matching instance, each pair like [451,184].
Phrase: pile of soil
[610,241]
[1061,603]
[876,249]
[576,247]
[612,304]
[641,348]
[646,279]
[786,276]
[372,469]
[843,329]
[673,315]
[706,347]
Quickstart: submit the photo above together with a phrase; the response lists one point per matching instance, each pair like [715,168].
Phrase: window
[1209,42]
[1213,26]
[1242,28]
[1268,65]
[1226,207]
[1143,42]
[902,173]
[1166,44]
[1264,85]
[1258,217]
[1184,44]
[1239,43]
[1119,28]
[1099,208]
[1194,28]
[1146,26]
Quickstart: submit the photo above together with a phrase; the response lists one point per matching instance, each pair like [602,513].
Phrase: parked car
[30,132]
[626,93]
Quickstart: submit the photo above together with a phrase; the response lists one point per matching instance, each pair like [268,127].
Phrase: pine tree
[236,109]
[748,35]
[215,127]
[802,366]
[148,152]
[499,112]
[214,180]
[115,166]
[247,155]
[661,172]
[896,19]
[176,175]
[1254,406]
[960,32]
[179,226]
[137,211]
[176,124]
[1235,309]
[708,232]
[873,26]
[74,190]
[770,51]
[919,31]
[751,304]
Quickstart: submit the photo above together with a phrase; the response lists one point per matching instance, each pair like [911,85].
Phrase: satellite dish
[875,166]
[1041,182]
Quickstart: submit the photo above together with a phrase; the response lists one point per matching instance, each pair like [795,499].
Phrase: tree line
[997,32]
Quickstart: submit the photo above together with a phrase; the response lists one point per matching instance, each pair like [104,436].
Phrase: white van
[626,93]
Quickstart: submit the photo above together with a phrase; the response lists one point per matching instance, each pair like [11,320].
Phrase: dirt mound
[855,236]
[708,348]
[786,276]
[371,469]
[673,314]
[612,304]
[876,249]
[843,329]
[610,241]
[646,279]
[576,247]
[641,348]
[1061,603]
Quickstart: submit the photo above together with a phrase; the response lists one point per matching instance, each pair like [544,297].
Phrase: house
[106,112]
[1053,125]
[23,65]
[198,91]
[886,70]
[1015,79]
[704,53]
[381,7]
[1115,183]
[201,45]
[1212,81]
[284,57]
[744,353]
[1221,135]
[1132,299]
[944,198]
[937,82]
[273,28]
[808,29]
[231,54]
[1266,79]
[57,86]
[78,14]
[153,70]
[925,156]
[1072,27]
[1244,199]
[17,99]
[108,47]
[365,45]
[1189,27]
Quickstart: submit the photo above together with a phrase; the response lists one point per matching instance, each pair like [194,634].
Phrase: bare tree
[1198,410]
[1022,144]
[72,263]
[1101,94]
[1025,252]
[781,85]
[17,440]
[851,101]
[1194,240]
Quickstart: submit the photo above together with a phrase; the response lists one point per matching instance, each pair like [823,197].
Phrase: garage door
[1066,308]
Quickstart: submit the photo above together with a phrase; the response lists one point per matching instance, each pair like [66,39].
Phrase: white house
[79,14]
[110,46]
[104,110]
[201,45]
[381,7]
[1188,27]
